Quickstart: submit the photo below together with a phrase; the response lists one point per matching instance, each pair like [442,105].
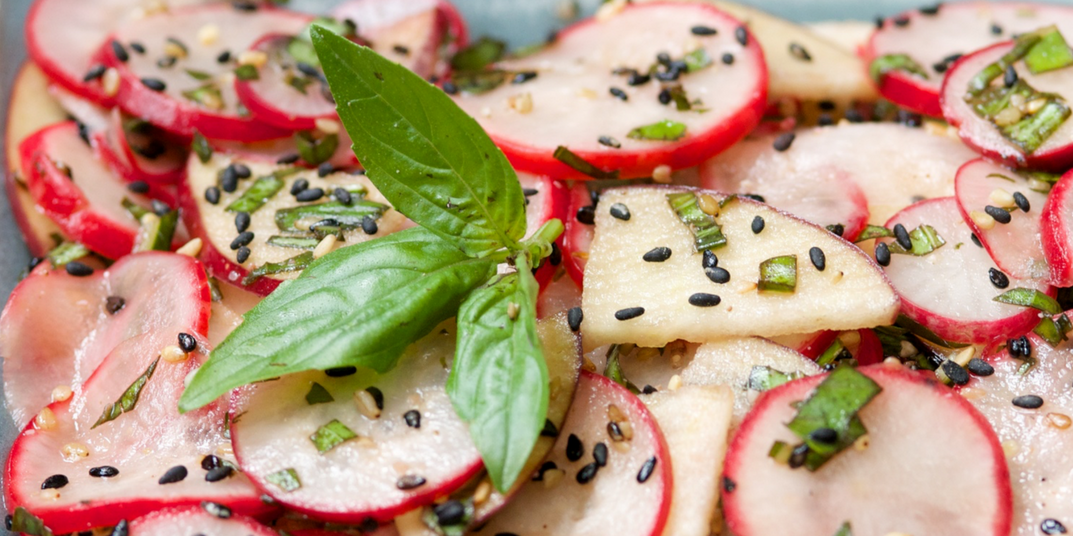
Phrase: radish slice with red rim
[288,93]
[925,445]
[87,113]
[810,345]
[97,313]
[83,197]
[577,238]
[1015,246]
[950,290]
[207,519]
[1057,231]
[933,39]
[629,493]
[575,100]
[137,152]
[285,149]
[195,91]
[545,200]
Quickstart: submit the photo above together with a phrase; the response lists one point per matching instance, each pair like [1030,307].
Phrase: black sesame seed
[33,263]
[853,116]
[154,84]
[1009,78]
[137,47]
[665,96]
[401,50]
[544,468]
[243,254]
[586,215]
[409,482]
[530,192]
[825,120]
[901,21]
[728,59]
[999,279]
[979,367]
[1052,526]
[9,522]
[758,224]
[228,180]
[1028,402]
[619,94]
[243,239]
[996,29]
[378,396]
[166,62]
[219,473]
[369,226]
[242,221]
[703,299]
[648,389]
[882,254]
[211,462]
[783,142]
[341,372]
[574,317]
[54,482]
[556,257]
[120,52]
[729,485]
[94,73]
[940,67]
[1019,347]
[1001,215]
[212,195]
[741,35]
[449,513]
[224,57]
[288,159]
[647,469]
[664,59]
[902,236]
[798,455]
[523,77]
[637,79]
[957,374]
[703,30]
[187,342]
[976,240]
[78,269]
[121,529]
[657,254]
[587,473]
[608,141]
[244,5]
[1021,201]
[575,449]
[104,471]
[549,429]
[799,52]
[160,208]
[819,260]
[325,169]
[173,475]
[299,186]
[412,418]
[114,304]
[708,259]
[599,454]
[837,229]
[629,313]
[824,435]
[450,88]
[717,275]
[620,212]
[216,510]
[139,187]
[309,194]
[930,10]
[879,22]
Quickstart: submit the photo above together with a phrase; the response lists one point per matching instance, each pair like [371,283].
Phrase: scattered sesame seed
[409,482]
[599,454]
[608,141]
[999,279]
[450,88]
[288,159]
[574,317]
[586,215]
[299,186]
[369,226]
[784,141]
[702,299]
[1019,347]
[799,52]
[120,52]
[882,254]
[1021,201]
[979,367]
[1001,215]
[137,47]
[708,259]
[587,473]
[1052,526]
[996,29]
[620,212]
[451,512]
[154,84]
[853,116]
[648,389]
[243,239]
[837,229]
[637,79]
[717,275]
[657,254]
[219,473]
[902,237]
[957,374]
[575,449]
[819,260]
[412,418]
[242,221]
[619,94]
[244,5]
[1009,78]
[121,529]
[309,195]
[173,475]
[629,313]
[54,482]
[728,59]
[549,429]
[343,196]
[824,435]
[187,342]
[212,195]
[741,35]
[78,269]
[139,187]
[94,73]
[216,509]
[210,462]
[104,471]
[1028,401]
[114,304]
[703,30]
[665,96]
[341,372]
[646,470]
[523,77]
[901,21]
[976,240]
[399,49]
[173,354]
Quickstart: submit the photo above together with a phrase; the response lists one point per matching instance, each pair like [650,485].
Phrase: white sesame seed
[512,310]
[674,383]
[483,492]
[521,103]
[862,443]
[982,220]
[326,125]
[1001,198]
[174,50]
[964,355]
[208,34]
[74,451]
[662,173]
[110,82]
[173,354]
[253,57]
[1059,420]
[61,393]
[325,246]
[191,248]
[587,93]
[907,350]
[50,494]
[45,420]
[1010,448]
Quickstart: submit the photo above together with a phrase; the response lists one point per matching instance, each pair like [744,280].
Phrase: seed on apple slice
[646,283]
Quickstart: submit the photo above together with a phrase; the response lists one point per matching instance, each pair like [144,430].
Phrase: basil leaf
[431,160]
[478,55]
[260,192]
[1027,297]
[129,399]
[1050,53]
[833,407]
[358,306]
[665,130]
[499,379]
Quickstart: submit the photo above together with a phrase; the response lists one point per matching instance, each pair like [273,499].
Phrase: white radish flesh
[196,520]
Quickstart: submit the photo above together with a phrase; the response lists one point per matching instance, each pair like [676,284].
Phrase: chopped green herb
[613,370]
[665,130]
[316,151]
[845,530]
[318,395]
[432,521]
[895,62]
[763,378]
[331,435]
[156,232]
[1027,297]
[302,51]
[681,100]
[874,231]
[778,274]
[1051,53]
[581,165]
[134,209]
[707,233]
[833,406]
[293,242]
[834,354]
[207,95]
[286,480]
[247,73]
[22,521]
[65,253]
[925,239]
[478,82]
[293,264]
[299,83]
[479,55]
[201,148]
[260,192]
[781,451]
[129,399]
[348,216]
[697,60]
[198,75]
[1054,331]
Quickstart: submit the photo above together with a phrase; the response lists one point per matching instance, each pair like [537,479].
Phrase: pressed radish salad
[683,269]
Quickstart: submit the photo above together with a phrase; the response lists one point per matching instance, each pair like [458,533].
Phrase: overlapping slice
[136,151]
[206,519]
[926,445]
[950,290]
[611,474]
[1057,231]
[647,283]
[577,92]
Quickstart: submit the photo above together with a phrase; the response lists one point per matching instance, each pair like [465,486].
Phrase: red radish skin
[927,444]
[949,290]
[957,28]
[168,109]
[1016,247]
[114,148]
[577,238]
[571,105]
[870,349]
[35,365]
[270,151]
[1055,154]
[613,502]
[272,100]
[1056,231]
[196,520]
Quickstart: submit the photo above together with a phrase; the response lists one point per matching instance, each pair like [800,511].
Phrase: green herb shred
[581,165]
[285,479]
[293,264]
[331,435]
[318,395]
[129,399]
[895,62]
[260,192]
[778,274]
[1027,297]
[665,130]
[707,233]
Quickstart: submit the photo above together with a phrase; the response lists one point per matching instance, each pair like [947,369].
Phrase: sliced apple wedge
[206,519]
[647,284]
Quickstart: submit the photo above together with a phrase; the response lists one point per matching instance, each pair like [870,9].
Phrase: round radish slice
[286,150]
[1057,231]
[136,152]
[348,448]
[97,314]
[77,192]
[207,519]
[194,91]
[284,95]
[1041,467]
[933,39]
[827,199]
[577,238]
[1015,246]
[568,94]
[629,493]
[1038,147]
[949,290]
[810,345]
[90,115]
[925,446]
[228,311]
[93,461]
[282,241]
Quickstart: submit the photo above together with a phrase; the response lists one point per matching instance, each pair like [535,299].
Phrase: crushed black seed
[703,299]
[599,454]
[408,482]
[619,94]
[549,429]
[979,367]
[224,57]
[78,269]
[727,59]
[608,141]
[1001,215]
[647,469]
[1021,201]
[173,475]
[853,116]
[620,212]
[882,254]
[664,96]
[574,317]
[243,254]
[1019,347]
[212,195]
[901,21]
[1009,78]
[243,239]
[341,372]
[824,435]
[288,159]
[54,482]
[999,279]
[658,254]
[523,77]
[741,35]
[216,510]
[957,374]
[663,58]
[242,221]
[784,141]
[758,224]
[121,529]
[154,84]
[412,418]
[299,186]
[708,259]
[996,29]
[114,304]
[104,471]
[717,275]
[586,215]
[637,79]
[629,313]
[369,226]
[1028,402]
[211,462]
[1052,526]
[819,260]
[799,52]
[976,240]
[587,473]
[187,342]
[219,473]
[729,485]
[94,73]
[902,237]
[648,389]
[575,449]
[703,30]
[309,195]
[119,51]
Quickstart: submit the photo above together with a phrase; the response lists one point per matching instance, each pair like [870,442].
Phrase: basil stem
[260,192]
[156,232]
[665,130]
[778,274]
[331,435]
[1026,297]
[581,165]
[707,233]
[697,60]
[895,62]
[828,422]
[129,399]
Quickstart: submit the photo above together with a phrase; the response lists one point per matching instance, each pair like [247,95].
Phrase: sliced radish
[136,152]
[629,494]
[141,446]
[282,95]
[949,290]
[810,345]
[934,40]
[1037,440]
[217,228]
[97,314]
[1055,153]
[577,238]
[197,520]
[1057,231]
[91,115]
[1016,246]
[571,101]
[559,296]
[628,299]
[826,199]
[893,165]
[286,149]
[926,445]
[695,420]
[228,311]
[204,101]
[86,204]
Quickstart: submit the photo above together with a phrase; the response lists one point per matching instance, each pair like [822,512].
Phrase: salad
[683,269]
